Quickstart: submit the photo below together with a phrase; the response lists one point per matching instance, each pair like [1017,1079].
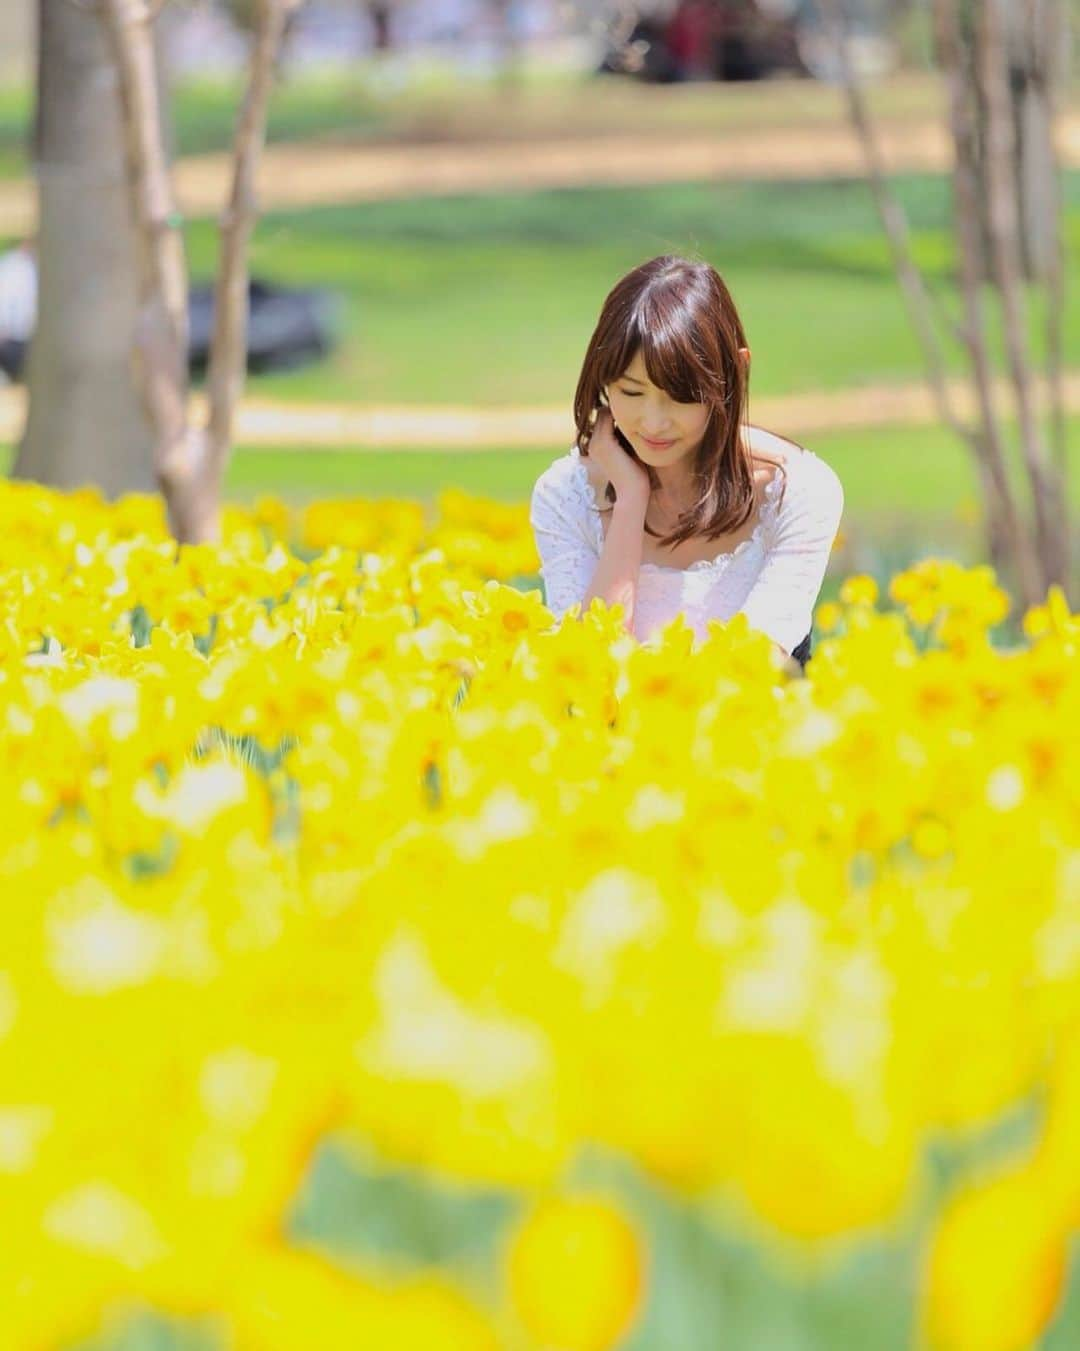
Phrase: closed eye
[636,394]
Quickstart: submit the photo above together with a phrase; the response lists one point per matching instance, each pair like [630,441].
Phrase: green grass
[204,113]
[491,300]
[437,105]
[896,468]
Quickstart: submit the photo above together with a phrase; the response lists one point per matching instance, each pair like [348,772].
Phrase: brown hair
[681,316]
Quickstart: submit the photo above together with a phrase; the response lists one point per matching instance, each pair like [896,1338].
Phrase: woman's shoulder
[564,483]
[766,445]
[561,473]
[812,484]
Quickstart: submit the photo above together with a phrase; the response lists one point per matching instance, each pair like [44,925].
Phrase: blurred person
[18,306]
[638,46]
[671,502]
[691,36]
[738,54]
[382,35]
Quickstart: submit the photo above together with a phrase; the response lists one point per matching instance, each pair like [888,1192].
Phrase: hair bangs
[666,325]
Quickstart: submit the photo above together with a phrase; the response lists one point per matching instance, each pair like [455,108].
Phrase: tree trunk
[1049,498]
[1035,67]
[86,423]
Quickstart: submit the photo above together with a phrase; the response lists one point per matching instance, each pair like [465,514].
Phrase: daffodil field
[331,833]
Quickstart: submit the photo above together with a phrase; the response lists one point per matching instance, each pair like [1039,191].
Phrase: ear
[744,352]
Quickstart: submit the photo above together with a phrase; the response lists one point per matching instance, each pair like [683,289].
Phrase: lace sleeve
[568,559]
[781,601]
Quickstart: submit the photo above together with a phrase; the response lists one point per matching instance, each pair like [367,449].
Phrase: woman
[668,502]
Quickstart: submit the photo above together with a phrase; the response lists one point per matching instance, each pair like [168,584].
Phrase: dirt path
[321,173]
[356,427]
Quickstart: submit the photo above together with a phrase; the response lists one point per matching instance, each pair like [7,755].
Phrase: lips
[657,445]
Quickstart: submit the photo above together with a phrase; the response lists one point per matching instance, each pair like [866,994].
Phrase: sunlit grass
[491,300]
[352,102]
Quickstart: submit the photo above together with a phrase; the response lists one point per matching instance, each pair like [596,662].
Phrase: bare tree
[189,460]
[975,52]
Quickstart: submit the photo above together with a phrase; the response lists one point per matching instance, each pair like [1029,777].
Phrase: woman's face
[645,415]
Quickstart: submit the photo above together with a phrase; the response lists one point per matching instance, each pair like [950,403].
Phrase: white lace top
[773,577]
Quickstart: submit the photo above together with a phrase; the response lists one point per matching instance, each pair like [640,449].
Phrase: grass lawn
[491,300]
[437,105]
[911,470]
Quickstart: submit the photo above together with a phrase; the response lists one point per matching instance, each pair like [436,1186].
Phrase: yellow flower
[576,1273]
[995,1268]
[930,838]
[859,589]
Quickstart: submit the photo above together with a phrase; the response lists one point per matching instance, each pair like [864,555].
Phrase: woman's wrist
[632,497]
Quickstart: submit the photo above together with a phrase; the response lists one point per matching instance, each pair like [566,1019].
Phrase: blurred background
[452,187]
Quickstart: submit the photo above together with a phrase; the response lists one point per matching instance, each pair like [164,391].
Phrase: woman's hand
[627,474]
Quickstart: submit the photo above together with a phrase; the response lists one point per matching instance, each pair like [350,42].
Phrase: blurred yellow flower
[995,1268]
[576,1272]
[358,840]
[859,590]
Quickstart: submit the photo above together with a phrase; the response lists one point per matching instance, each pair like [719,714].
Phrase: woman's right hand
[626,473]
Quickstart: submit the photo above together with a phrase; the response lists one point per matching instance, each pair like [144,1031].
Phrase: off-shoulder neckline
[699,564]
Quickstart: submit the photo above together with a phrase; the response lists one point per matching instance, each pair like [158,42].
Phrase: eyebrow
[633,378]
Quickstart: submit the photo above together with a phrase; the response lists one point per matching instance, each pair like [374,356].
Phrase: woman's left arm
[781,601]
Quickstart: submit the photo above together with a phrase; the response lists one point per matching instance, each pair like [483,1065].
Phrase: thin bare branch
[1048,31]
[229,345]
[925,312]
[189,461]
[162,331]
[1005,239]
